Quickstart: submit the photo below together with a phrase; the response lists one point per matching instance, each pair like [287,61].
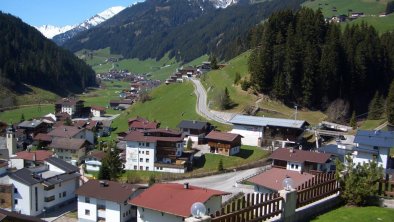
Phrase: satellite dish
[288,183]
[198,210]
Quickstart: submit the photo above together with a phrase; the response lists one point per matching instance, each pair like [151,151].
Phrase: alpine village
[200,111]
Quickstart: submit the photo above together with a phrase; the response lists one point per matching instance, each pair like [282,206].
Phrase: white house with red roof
[97,111]
[170,202]
[155,150]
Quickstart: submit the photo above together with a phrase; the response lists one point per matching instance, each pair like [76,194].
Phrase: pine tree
[225,100]
[308,80]
[390,105]
[189,144]
[22,118]
[237,78]
[353,120]
[104,172]
[376,107]
[214,62]
[111,166]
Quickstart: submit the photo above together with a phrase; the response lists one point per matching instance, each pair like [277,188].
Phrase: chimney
[194,122]
[65,129]
[102,183]
[291,150]
[34,156]
[186,185]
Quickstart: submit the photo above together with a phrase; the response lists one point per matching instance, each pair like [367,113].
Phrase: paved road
[226,182]
[201,106]
[381,126]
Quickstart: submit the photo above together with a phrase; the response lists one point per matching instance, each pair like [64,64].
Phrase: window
[2,201]
[87,212]
[64,193]
[135,167]
[15,201]
[147,152]
[296,166]
[124,215]
[146,168]
[141,159]
[49,199]
[87,200]
[60,184]
[141,168]
[143,152]
[15,190]
[60,195]
[147,144]
[292,166]
[147,160]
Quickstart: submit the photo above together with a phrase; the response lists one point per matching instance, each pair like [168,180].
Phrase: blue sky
[58,12]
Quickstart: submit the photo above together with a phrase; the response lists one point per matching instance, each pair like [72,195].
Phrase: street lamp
[198,210]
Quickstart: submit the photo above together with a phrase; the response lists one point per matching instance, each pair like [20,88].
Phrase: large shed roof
[267,121]
[375,138]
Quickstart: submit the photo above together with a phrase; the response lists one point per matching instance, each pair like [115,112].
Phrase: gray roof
[192,124]
[334,150]
[30,124]
[267,121]
[375,138]
[62,164]
[24,176]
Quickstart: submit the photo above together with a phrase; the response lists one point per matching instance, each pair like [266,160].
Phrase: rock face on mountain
[183,29]
[101,17]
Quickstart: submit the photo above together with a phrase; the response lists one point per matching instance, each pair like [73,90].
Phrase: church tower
[11,141]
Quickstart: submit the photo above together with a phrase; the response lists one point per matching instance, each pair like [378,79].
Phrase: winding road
[202,108]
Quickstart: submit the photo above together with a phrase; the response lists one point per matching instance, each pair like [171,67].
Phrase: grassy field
[371,124]
[357,214]
[216,80]
[13,116]
[247,154]
[369,7]
[381,24]
[169,104]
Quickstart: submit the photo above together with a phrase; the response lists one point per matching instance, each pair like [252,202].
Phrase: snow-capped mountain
[49,30]
[223,3]
[87,24]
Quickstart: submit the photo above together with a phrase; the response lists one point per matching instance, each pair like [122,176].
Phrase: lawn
[371,124]
[381,24]
[169,104]
[14,116]
[215,81]
[247,154]
[369,7]
[357,214]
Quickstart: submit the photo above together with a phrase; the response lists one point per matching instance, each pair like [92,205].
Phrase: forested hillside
[185,29]
[298,58]
[27,57]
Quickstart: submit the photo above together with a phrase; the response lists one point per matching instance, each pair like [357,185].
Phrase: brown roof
[38,155]
[68,101]
[67,143]
[65,131]
[140,137]
[3,163]
[273,178]
[112,191]
[173,198]
[141,123]
[43,137]
[299,156]
[100,108]
[99,155]
[228,137]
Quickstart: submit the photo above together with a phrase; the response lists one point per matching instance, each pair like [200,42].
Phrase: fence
[386,187]
[319,187]
[251,207]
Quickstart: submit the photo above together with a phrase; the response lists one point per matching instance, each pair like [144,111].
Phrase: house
[93,160]
[194,130]
[301,160]
[125,103]
[270,181]
[29,159]
[8,216]
[33,127]
[97,111]
[140,123]
[170,202]
[106,201]
[105,127]
[73,107]
[6,194]
[155,150]
[264,131]
[73,132]
[42,140]
[227,144]
[373,145]
[69,149]
[45,187]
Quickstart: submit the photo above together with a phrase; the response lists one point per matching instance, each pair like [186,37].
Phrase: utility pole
[295,115]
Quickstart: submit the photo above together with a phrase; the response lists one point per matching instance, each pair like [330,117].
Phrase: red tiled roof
[173,198]
[80,123]
[228,137]
[43,137]
[141,123]
[273,178]
[163,131]
[113,191]
[140,137]
[65,131]
[99,155]
[299,156]
[40,155]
